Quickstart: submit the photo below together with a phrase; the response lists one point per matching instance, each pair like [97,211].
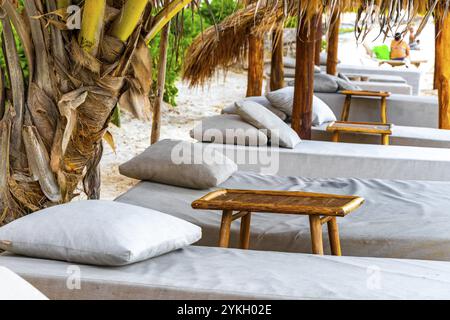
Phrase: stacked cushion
[283,99]
[279,132]
[231,109]
[228,129]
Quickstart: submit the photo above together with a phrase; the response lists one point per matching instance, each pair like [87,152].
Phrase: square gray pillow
[182,164]
[279,132]
[228,129]
[102,233]
[284,100]
[231,109]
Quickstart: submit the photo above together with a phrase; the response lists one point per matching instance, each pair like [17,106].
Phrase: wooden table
[385,130]
[364,93]
[240,204]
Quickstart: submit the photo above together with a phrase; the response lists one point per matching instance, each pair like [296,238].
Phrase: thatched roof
[222,45]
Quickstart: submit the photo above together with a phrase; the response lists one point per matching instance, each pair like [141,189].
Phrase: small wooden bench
[338,127]
[363,93]
[240,204]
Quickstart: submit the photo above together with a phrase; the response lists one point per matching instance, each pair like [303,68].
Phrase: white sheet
[13,287]
[400,219]
[213,273]
[327,159]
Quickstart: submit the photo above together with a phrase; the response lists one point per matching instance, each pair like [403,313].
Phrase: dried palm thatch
[52,123]
[222,45]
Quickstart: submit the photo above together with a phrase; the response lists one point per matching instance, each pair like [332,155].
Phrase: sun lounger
[412,75]
[328,159]
[395,88]
[400,219]
[402,110]
[401,136]
[213,273]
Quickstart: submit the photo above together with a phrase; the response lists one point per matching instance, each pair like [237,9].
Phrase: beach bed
[402,110]
[213,273]
[313,159]
[401,136]
[399,219]
[411,75]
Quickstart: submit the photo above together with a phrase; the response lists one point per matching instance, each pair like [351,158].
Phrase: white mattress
[13,287]
[401,136]
[213,273]
[400,219]
[327,159]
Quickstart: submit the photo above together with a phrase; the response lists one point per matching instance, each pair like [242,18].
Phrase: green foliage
[183,31]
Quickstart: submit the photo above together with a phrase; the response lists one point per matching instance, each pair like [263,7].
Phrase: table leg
[227,218]
[346,109]
[385,139]
[335,137]
[245,231]
[383,110]
[333,234]
[316,234]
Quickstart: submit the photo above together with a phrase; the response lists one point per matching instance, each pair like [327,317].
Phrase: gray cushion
[180,163]
[231,109]
[325,83]
[98,233]
[228,129]
[284,100]
[279,132]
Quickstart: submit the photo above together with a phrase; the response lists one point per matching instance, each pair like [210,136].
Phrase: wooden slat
[292,202]
[365,93]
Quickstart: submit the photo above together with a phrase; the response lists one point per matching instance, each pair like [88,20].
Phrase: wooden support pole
[304,80]
[162,68]
[277,64]
[333,43]
[437,29]
[443,60]
[319,36]
[255,66]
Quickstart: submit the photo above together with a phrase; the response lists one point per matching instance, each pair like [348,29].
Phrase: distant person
[399,48]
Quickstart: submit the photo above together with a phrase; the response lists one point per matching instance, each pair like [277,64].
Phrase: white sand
[193,104]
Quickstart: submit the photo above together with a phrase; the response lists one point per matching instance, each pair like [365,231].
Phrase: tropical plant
[52,122]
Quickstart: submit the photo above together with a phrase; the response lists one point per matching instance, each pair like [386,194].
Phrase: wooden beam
[304,80]
[319,36]
[162,68]
[255,66]
[333,43]
[277,64]
[443,61]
